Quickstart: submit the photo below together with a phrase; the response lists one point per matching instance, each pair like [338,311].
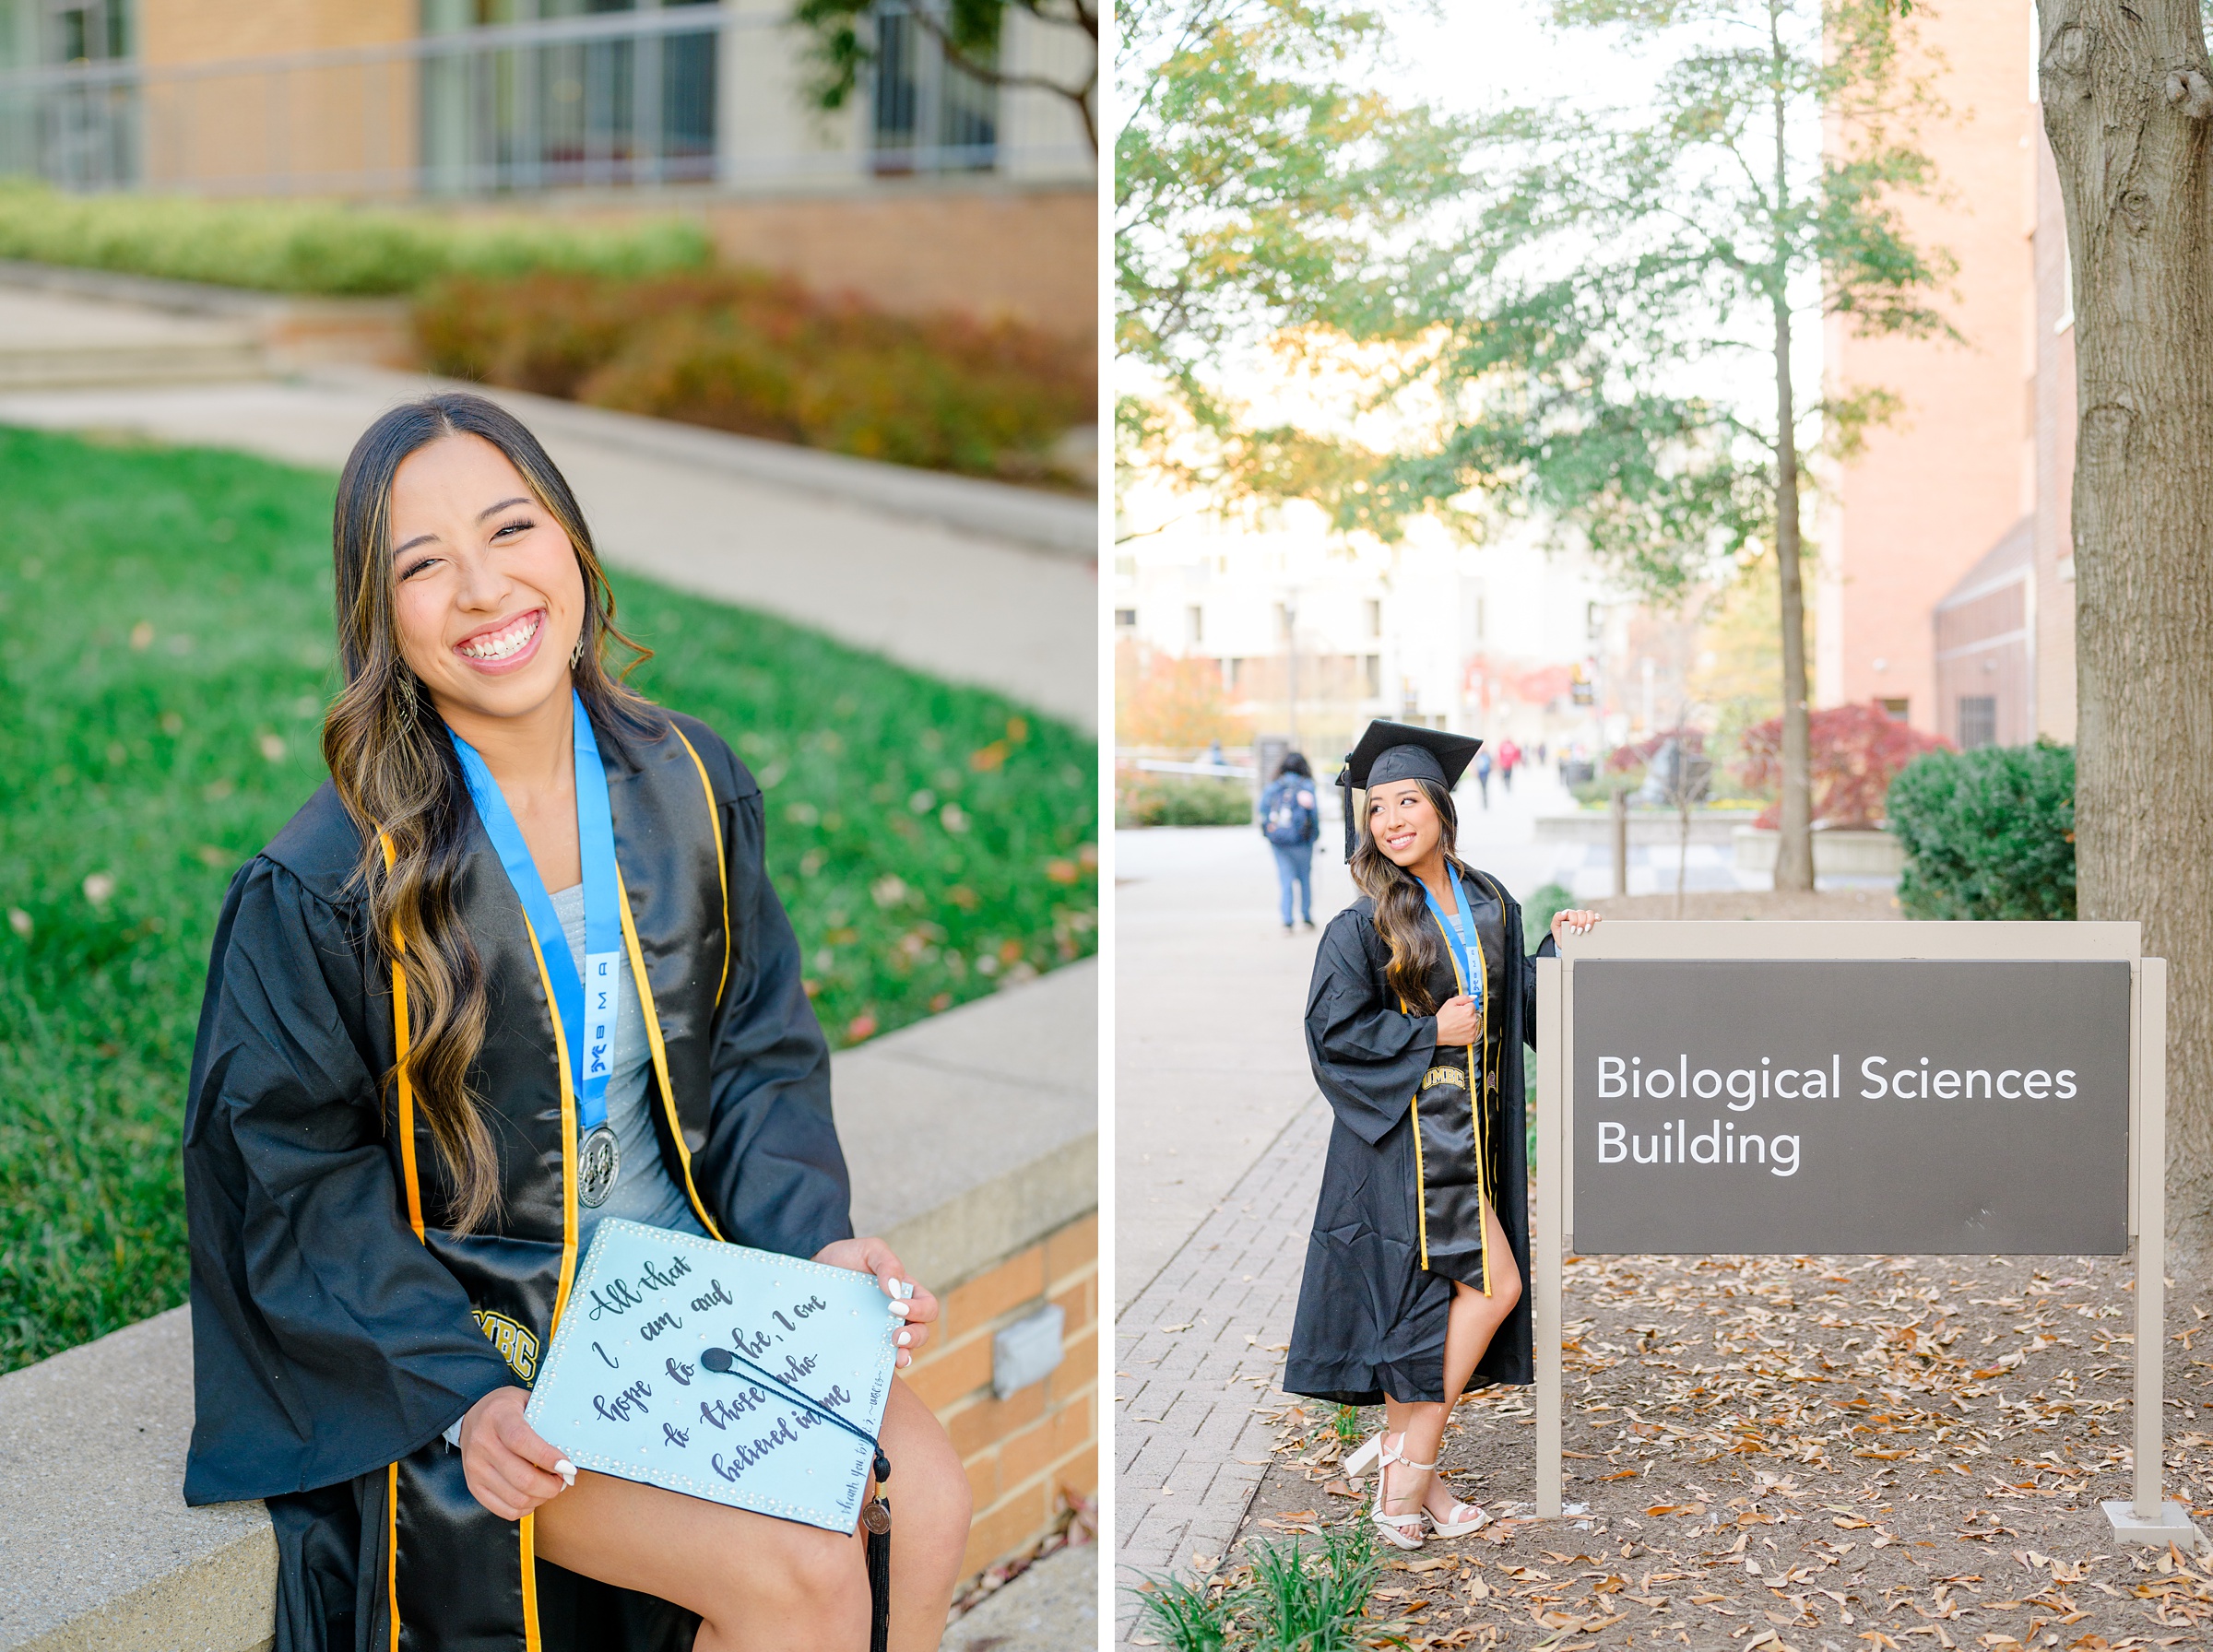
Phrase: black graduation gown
[339,1327]
[1397,1220]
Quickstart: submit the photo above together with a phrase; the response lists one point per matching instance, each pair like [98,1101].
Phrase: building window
[1978,721]
[1125,619]
[1229,673]
[1283,621]
[1479,619]
[1896,710]
[1374,616]
[932,114]
[611,109]
[1194,625]
[1372,671]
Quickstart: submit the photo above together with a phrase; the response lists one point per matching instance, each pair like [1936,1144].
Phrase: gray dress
[644,1190]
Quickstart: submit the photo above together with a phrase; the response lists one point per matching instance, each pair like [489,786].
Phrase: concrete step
[76,366]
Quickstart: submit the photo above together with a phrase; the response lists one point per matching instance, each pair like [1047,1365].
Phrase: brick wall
[1029,1452]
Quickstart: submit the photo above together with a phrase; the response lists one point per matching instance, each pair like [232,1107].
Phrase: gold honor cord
[392,1541]
[1421,1177]
[401,1041]
[661,1052]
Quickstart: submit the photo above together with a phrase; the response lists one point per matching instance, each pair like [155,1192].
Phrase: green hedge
[320,247]
[1987,833]
[1160,800]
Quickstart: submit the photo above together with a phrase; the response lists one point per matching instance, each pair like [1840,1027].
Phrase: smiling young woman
[1421,1002]
[391,1167]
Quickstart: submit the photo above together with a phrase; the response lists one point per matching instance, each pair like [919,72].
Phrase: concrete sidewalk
[950,576]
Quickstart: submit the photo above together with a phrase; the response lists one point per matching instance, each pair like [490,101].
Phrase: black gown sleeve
[1546,949]
[1367,1055]
[326,1340]
[771,1170]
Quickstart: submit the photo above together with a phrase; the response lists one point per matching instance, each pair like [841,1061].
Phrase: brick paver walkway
[1197,1352]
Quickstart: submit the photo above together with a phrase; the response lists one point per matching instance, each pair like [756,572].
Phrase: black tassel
[1345,781]
[876,1519]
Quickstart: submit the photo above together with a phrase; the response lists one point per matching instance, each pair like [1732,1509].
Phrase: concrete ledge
[1646,826]
[1835,853]
[970,1135]
[975,1133]
[102,1553]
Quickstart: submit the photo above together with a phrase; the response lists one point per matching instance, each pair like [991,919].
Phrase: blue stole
[587,1006]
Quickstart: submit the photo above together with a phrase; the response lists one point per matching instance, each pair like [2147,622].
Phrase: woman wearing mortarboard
[1420,1004]
[399,1133]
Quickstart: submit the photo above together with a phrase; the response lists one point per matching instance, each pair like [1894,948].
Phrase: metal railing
[685,94]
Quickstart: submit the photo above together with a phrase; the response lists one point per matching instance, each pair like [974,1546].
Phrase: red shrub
[1639,754]
[1855,751]
[764,355]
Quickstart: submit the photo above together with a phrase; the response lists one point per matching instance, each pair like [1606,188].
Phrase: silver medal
[597,1166]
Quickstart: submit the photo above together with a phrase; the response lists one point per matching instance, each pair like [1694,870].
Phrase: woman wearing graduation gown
[392,1167]
[1420,1004]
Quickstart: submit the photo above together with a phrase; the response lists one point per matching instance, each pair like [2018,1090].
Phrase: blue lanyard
[1469,978]
[590,1027]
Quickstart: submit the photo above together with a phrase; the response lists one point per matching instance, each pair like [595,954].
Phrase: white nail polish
[904,1339]
[567,1471]
[900,1310]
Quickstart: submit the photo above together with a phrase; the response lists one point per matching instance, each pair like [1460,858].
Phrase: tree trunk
[1794,853]
[2127,98]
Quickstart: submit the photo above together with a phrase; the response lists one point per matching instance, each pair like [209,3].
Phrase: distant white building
[1314,636]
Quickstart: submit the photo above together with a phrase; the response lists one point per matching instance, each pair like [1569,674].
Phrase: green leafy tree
[1263,191]
[1628,265]
[967,33]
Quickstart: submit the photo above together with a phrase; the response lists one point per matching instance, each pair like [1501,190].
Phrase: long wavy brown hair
[1402,916]
[393,763]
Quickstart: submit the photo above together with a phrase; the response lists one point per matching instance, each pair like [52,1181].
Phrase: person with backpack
[1290,822]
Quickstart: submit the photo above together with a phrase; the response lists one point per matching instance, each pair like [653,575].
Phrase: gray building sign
[1796,1106]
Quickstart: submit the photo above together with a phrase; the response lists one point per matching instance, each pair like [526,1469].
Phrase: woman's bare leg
[762,1585]
[1475,1320]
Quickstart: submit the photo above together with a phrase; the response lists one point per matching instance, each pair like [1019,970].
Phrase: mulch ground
[1802,1453]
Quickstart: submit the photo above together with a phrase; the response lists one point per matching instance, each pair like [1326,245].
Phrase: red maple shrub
[1854,752]
[764,355]
[1639,754]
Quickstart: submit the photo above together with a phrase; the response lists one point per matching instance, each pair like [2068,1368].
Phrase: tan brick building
[1946,585]
[930,189]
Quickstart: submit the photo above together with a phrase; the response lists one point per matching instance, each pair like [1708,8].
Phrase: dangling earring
[577,653]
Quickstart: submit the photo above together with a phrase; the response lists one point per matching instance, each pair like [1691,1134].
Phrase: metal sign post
[1870,1088]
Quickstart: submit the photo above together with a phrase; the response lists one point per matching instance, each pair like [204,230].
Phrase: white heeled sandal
[1393,1528]
[1369,1449]
[1467,1518]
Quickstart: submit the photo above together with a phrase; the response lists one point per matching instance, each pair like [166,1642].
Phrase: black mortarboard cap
[1391,751]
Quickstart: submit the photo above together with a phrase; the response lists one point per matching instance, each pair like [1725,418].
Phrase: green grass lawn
[166,653]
